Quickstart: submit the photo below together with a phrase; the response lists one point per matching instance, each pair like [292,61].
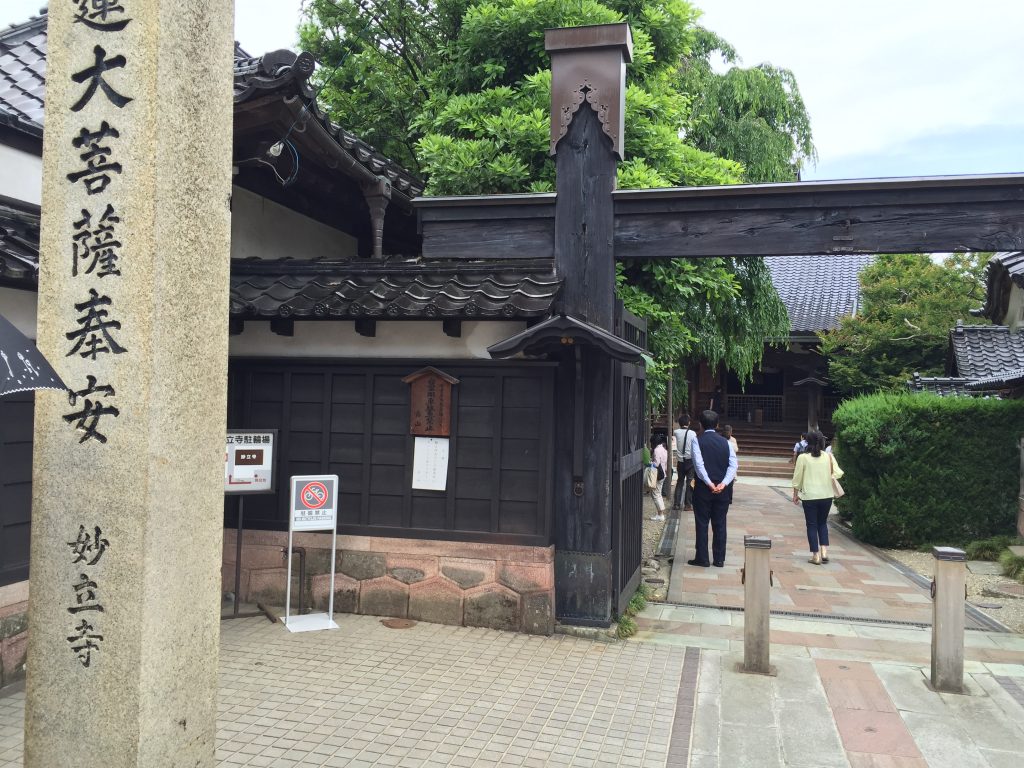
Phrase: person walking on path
[659,458]
[715,465]
[799,446]
[812,485]
[727,431]
[684,464]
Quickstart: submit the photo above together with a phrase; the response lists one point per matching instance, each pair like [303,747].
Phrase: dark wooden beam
[978,213]
[452,328]
[497,226]
[366,328]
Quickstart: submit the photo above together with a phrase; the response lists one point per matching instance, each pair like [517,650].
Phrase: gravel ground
[1012,611]
[652,537]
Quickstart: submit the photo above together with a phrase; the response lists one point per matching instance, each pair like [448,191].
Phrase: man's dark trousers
[684,493]
[711,508]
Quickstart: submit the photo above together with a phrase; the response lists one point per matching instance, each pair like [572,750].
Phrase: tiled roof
[23,87]
[284,71]
[817,290]
[1004,270]
[19,245]
[945,386]
[23,69]
[981,351]
[1006,380]
[310,290]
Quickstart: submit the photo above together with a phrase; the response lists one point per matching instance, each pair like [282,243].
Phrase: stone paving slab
[432,695]
[853,583]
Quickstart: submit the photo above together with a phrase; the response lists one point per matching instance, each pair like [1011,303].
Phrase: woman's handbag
[651,477]
[837,489]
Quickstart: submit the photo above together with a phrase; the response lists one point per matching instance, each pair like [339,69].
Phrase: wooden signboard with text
[430,401]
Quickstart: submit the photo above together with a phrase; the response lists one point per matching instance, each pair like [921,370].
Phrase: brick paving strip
[1013,686]
[686,700]
[872,731]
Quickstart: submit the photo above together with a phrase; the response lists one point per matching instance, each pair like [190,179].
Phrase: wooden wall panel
[499,485]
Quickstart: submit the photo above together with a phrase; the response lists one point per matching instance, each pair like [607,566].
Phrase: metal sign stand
[312,493]
[241,490]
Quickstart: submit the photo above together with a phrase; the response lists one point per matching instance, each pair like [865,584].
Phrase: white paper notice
[430,463]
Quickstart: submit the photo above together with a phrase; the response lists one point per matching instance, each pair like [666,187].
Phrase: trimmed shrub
[1013,565]
[988,549]
[922,468]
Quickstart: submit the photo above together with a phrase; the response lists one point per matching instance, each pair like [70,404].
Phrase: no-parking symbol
[314,504]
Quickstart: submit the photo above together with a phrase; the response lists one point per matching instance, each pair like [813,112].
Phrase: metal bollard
[757,578]
[948,598]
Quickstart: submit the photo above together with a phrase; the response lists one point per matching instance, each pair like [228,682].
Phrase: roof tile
[983,351]
[817,290]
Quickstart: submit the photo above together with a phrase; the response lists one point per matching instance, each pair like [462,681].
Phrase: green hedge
[923,469]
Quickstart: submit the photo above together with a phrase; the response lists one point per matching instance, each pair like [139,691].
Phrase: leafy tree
[909,303]
[459,91]
[755,115]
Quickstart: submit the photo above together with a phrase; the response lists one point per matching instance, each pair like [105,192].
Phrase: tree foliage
[909,303]
[458,90]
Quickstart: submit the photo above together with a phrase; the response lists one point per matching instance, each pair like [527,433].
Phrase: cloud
[878,75]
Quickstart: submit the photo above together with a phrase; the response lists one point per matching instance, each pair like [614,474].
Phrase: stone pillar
[588,89]
[128,469]
[756,600]
[948,611]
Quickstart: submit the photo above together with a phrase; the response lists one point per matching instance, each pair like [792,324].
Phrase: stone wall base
[445,582]
[13,632]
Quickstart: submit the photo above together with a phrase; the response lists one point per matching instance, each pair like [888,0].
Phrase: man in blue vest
[714,463]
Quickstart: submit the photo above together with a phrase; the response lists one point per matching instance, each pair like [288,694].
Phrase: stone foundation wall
[445,582]
[13,631]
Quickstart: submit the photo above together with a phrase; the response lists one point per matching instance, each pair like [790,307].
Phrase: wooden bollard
[948,598]
[756,582]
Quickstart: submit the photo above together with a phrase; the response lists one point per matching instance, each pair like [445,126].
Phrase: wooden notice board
[430,401]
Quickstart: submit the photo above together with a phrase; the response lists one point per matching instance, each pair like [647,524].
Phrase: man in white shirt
[684,464]
[715,464]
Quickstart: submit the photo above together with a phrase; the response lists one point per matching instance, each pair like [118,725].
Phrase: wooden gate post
[948,598]
[588,76]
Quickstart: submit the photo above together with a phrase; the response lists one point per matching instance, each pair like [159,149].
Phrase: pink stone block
[467,573]
[438,601]
[527,577]
[264,584]
[12,656]
[256,556]
[384,597]
[13,608]
[493,606]
[346,592]
[411,569]
[441,548]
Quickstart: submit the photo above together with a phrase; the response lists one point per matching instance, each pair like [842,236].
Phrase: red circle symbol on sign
[314,495]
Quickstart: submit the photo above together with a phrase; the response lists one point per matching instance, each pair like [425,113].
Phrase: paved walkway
[431,695]
[844,693]
[854,583]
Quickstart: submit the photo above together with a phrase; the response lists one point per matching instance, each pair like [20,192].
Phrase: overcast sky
[893,87]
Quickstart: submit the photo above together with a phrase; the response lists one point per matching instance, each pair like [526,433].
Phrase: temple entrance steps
[775,440]
[764,466]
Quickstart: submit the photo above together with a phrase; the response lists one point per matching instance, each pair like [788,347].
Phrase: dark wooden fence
[15,485]
[627,500]
[351,418]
